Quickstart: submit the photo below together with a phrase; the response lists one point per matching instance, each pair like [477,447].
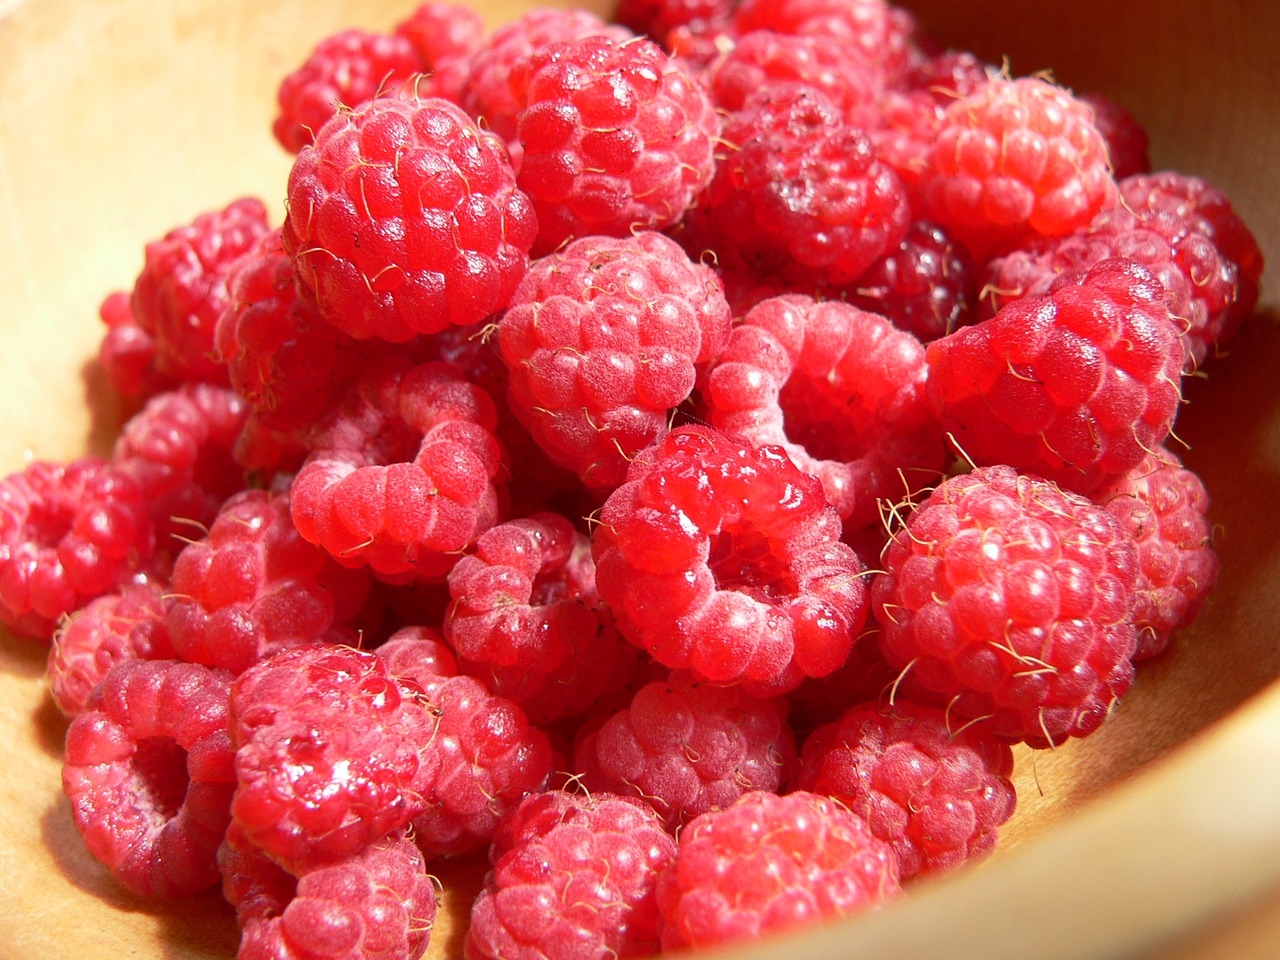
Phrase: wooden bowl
[121,119]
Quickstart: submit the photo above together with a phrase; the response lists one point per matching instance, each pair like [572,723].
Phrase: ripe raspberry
[574,881]
[799,193]
[1162,506]
[767,864]
[841,390]
[603,340]
[687,746]
[333,753]
[402,474]
[724,558]
[1075,386]
[68,533]
[443,35]
[616,138]
[1125,138]
[182,289]
[864,678]
[658,18]
[1012,600]
[344,70]
[418,653]
[127,353]
[936,795]
[149,774]
[1015,159]
[404,218]
[128,624]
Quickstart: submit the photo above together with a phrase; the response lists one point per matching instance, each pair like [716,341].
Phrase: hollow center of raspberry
[743,559]
[160,773]
[822,421]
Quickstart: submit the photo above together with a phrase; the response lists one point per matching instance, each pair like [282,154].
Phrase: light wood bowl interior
[122,118]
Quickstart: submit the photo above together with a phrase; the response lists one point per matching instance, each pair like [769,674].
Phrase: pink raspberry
[1075,386]
[129,624]
[841,390]
[799,193]
[127,353]
[574,881]
[343,71]
[936,794]
[404,217]
[724,558]
[1163,506]
[333,753]
[402,475]
[68,533]
[182,288]
[603,340]
[616,138]
[1016,159]
[149,773]
[1125,137]
[1011,600]
[770,863]
[687,746]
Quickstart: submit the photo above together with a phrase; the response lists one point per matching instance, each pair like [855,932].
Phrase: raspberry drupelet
[1010,601]
[724,558]
[404,218]
[127,353]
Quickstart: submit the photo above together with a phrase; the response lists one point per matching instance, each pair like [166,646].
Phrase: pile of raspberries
[674,457]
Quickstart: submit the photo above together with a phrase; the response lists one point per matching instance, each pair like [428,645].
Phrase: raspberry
[603,340]
[1125,138]
[687,746]
[345,70]
[402,474]
[443,34]
[1015,159]
[575,879]
[724,558]
[333,753]
[419,653]
[616,138]
[799,193]
[404,218]
[1075,386]
[1012,600]
[127,353]
[129,624]
[864,678]
[841,390]
[658,18]
[936,795]
[1162,506]
[767,864]
[148,771]
[182,289]
[68,533]
[253,587]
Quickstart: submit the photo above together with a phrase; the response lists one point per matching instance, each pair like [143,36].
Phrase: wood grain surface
[1158,837]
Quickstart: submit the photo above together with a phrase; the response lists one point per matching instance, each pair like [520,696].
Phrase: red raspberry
[1075,386]
[603,340]
[419,653]
[444,34]
[333,753]
[345,70]
[658,18]
[937,795]
[402,474]
[687,746]
[1012,600]
[148,771]
[616,138]
[799,193]
[574,881]
[841,390]
[1125,138]
[127,353]
[1015,159]
[404,218]
[68,533]
[1163,506]
[724,558]
[182,289]
[129,624]
[864,678]
[767,864]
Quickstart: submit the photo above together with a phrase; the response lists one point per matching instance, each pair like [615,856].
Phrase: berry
[603,340]
[404,218]
[127,353]
[444,35]
[767,864]
[1075,386]
[1125,138]
[1011,601]
[149,775]
[937,795]
[658,18]
[724,558]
